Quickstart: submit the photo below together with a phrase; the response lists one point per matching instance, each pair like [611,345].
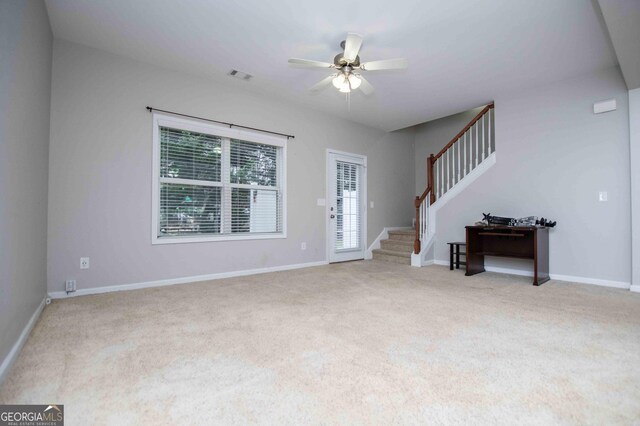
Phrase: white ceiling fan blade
[352,46]
[307,63]
[386,64]
[322,83]
[365,86]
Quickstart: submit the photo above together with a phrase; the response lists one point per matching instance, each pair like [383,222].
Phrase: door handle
[332,216]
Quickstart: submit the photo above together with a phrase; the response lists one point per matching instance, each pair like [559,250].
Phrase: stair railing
[456,160]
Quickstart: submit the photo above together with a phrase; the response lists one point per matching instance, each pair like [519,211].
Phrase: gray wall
[25,90]
[432,136]
[553,157]
[634,139]
[100,180]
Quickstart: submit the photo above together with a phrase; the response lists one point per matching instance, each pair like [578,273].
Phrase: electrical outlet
[602,196]
[84,263]
[70,286]
[303,246]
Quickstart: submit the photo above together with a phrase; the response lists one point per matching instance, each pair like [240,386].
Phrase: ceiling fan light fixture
[339,81]
[345,88]
[354,81]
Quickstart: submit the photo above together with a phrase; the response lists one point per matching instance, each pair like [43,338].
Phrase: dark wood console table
[520,242]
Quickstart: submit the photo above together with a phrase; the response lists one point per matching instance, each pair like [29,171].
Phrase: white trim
[418,260]
[226,133]
[368,255]
[635,288]
[555,277]
[356,159]
[182,280]
[221,237]
[12,356]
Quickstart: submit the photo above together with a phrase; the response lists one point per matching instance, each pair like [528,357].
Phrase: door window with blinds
[347,206]
[216,183]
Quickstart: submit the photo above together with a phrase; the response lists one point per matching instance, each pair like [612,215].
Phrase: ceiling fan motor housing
[340,61]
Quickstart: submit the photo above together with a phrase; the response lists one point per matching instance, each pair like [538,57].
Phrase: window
[216,183]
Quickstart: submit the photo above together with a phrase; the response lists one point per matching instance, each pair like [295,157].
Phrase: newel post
[416,242]
[430,162]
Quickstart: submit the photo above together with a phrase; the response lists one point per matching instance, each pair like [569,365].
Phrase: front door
[346,206]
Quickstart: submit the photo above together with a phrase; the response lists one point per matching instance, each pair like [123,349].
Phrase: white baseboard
[12,356]
[557,277]
[181,280]
[594,281]
[635,288]
[368,255]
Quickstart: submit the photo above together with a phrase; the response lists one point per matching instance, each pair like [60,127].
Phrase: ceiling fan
[348,66]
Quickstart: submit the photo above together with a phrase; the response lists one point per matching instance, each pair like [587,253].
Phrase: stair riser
[392,259]
[392,245]
[401,237]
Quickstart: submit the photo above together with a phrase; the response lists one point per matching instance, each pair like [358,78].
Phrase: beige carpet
[355,343]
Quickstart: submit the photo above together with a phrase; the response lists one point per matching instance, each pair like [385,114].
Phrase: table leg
[451,257]
[457,256]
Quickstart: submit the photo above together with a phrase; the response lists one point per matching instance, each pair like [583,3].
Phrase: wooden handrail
[421,198]
[463,131]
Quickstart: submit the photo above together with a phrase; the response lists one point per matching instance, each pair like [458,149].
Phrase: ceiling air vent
[240,75]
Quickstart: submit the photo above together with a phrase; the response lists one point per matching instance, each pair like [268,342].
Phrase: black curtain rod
[221,122]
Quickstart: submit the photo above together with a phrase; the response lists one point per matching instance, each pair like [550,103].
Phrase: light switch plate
[322,202]
[603,196]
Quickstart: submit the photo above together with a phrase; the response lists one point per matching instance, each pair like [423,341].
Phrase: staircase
[397,248]
[466,157]
[469,154]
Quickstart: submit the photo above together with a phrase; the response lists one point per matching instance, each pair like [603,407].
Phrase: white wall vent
[240,75]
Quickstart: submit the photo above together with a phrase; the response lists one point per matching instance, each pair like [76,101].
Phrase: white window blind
[347,206]
[211,186]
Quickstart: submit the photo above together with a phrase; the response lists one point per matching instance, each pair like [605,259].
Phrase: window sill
[213,239]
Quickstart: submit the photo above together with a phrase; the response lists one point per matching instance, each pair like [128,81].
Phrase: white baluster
[483,156]
[449,174]
[442,181]
[477,147]
[426,217]
[464,143]
[437,172]
[422,208]
[424,220]
[470,133]
[459,157]
[490,130]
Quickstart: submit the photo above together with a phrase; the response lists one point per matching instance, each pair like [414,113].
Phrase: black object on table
[519,242]
[457,253]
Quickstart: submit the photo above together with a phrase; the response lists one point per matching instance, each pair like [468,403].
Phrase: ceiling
[462,53]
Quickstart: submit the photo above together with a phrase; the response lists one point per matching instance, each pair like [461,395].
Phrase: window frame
[225,132]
